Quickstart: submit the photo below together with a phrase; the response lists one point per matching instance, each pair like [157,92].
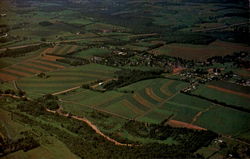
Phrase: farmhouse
[3,15]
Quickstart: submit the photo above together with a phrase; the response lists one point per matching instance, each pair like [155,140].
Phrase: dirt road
[89,124]
[67,90]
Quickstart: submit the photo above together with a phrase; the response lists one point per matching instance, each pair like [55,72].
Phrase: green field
[219,119]
[56,80]
[222,96]
[92,52]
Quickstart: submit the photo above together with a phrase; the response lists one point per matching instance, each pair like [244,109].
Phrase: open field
[200,52]
[244,90]
[227,96]
[92,52]
[56,82]
[219,119]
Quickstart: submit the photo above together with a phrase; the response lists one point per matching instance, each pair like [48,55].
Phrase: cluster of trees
[95,146]
[240,108]
[18,92]
[20,51]
[8,146]
[37,107]
[126,77]
[74,61]
[88,86]
[188,37]
[238,58]
[42,75]
[191,139]
[45,23]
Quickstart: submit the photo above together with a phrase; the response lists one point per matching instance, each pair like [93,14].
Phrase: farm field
[158,95]
[29,67]
[63,50]
[227,96]
[181,107]
[91,52]
[220,121]
[76,76]
[124,79]
[200,52]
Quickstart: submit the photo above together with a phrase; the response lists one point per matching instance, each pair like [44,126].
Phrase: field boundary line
[97,109]
[228,91]
[65,91]
[158,106]
[131,106]
[196,117]
[150,93]
[162,88]
[142,101]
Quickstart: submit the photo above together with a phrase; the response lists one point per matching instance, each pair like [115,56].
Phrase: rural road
[89,124]
[59,111]
[65,91]
[99,132]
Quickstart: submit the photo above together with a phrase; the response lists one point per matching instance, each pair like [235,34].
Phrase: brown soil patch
[51,58]
[52,51]
[27,69]
[72,49]
[48,63]
[196,117]
[131,106]
[39,66]
[142,101]
[229,91]
[164,90]
[6,77]
[44,52]
[150,93]
[16,72]
[63,50]
[181,124]
[178,70]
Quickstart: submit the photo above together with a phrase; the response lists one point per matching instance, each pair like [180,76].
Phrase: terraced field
[129,105]
[63,49]
[32,66]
